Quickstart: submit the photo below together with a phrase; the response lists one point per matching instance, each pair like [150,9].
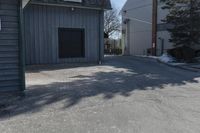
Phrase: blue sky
[118,3]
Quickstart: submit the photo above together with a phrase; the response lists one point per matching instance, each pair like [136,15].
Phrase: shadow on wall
[107,84]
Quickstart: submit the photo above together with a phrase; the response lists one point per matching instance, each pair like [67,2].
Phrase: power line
[146,5]
[139,20]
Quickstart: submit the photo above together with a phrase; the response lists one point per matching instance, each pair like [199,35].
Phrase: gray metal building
[10,71]
[47,32]
[42,22]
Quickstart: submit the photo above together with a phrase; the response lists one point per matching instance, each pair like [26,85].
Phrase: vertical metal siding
[9,49]
[41,32]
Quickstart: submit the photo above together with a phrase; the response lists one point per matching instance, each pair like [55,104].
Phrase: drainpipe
[100,37]
[162,45]
[21,48]
[128,37]
[154,27]
[101,13]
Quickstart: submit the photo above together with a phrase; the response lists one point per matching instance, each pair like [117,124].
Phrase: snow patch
[166,58]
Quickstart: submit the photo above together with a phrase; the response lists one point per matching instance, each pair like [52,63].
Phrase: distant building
[138,27]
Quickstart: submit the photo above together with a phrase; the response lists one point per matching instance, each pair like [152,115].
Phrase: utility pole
[154,27]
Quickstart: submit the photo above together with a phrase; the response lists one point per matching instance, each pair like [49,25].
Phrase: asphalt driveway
[124,95]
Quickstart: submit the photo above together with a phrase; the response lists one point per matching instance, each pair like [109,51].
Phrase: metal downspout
[21,49]
[100,37]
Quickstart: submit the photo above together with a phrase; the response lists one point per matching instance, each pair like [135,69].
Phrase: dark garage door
[71,43]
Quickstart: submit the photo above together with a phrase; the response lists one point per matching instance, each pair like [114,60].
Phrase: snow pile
[166,58]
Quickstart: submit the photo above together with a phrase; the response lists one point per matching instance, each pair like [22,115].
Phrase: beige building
[137,27]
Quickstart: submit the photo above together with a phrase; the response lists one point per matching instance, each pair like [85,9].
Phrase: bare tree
[112,22]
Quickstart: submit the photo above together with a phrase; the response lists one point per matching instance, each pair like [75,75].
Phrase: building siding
[9,45]
[41,32]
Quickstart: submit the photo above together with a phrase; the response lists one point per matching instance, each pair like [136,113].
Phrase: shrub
[183,53]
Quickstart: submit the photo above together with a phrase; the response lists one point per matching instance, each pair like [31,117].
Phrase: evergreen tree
[184,21]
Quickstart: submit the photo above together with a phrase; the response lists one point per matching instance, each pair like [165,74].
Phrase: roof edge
[100,4]
[70,6]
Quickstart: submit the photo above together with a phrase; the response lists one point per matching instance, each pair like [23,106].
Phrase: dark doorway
[71,43]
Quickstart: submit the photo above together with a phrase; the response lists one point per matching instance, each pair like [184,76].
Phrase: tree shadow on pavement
[130,77]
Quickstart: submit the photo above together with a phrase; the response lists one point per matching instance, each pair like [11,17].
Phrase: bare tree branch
[111,22]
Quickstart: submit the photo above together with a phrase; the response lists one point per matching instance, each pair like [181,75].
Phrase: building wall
[138,28]
[41,32]
[137,33]
[9,46]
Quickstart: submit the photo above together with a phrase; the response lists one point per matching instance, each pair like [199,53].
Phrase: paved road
[124,95]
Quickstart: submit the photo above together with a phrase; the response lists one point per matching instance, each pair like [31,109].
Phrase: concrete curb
[171,65]
[178,66]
